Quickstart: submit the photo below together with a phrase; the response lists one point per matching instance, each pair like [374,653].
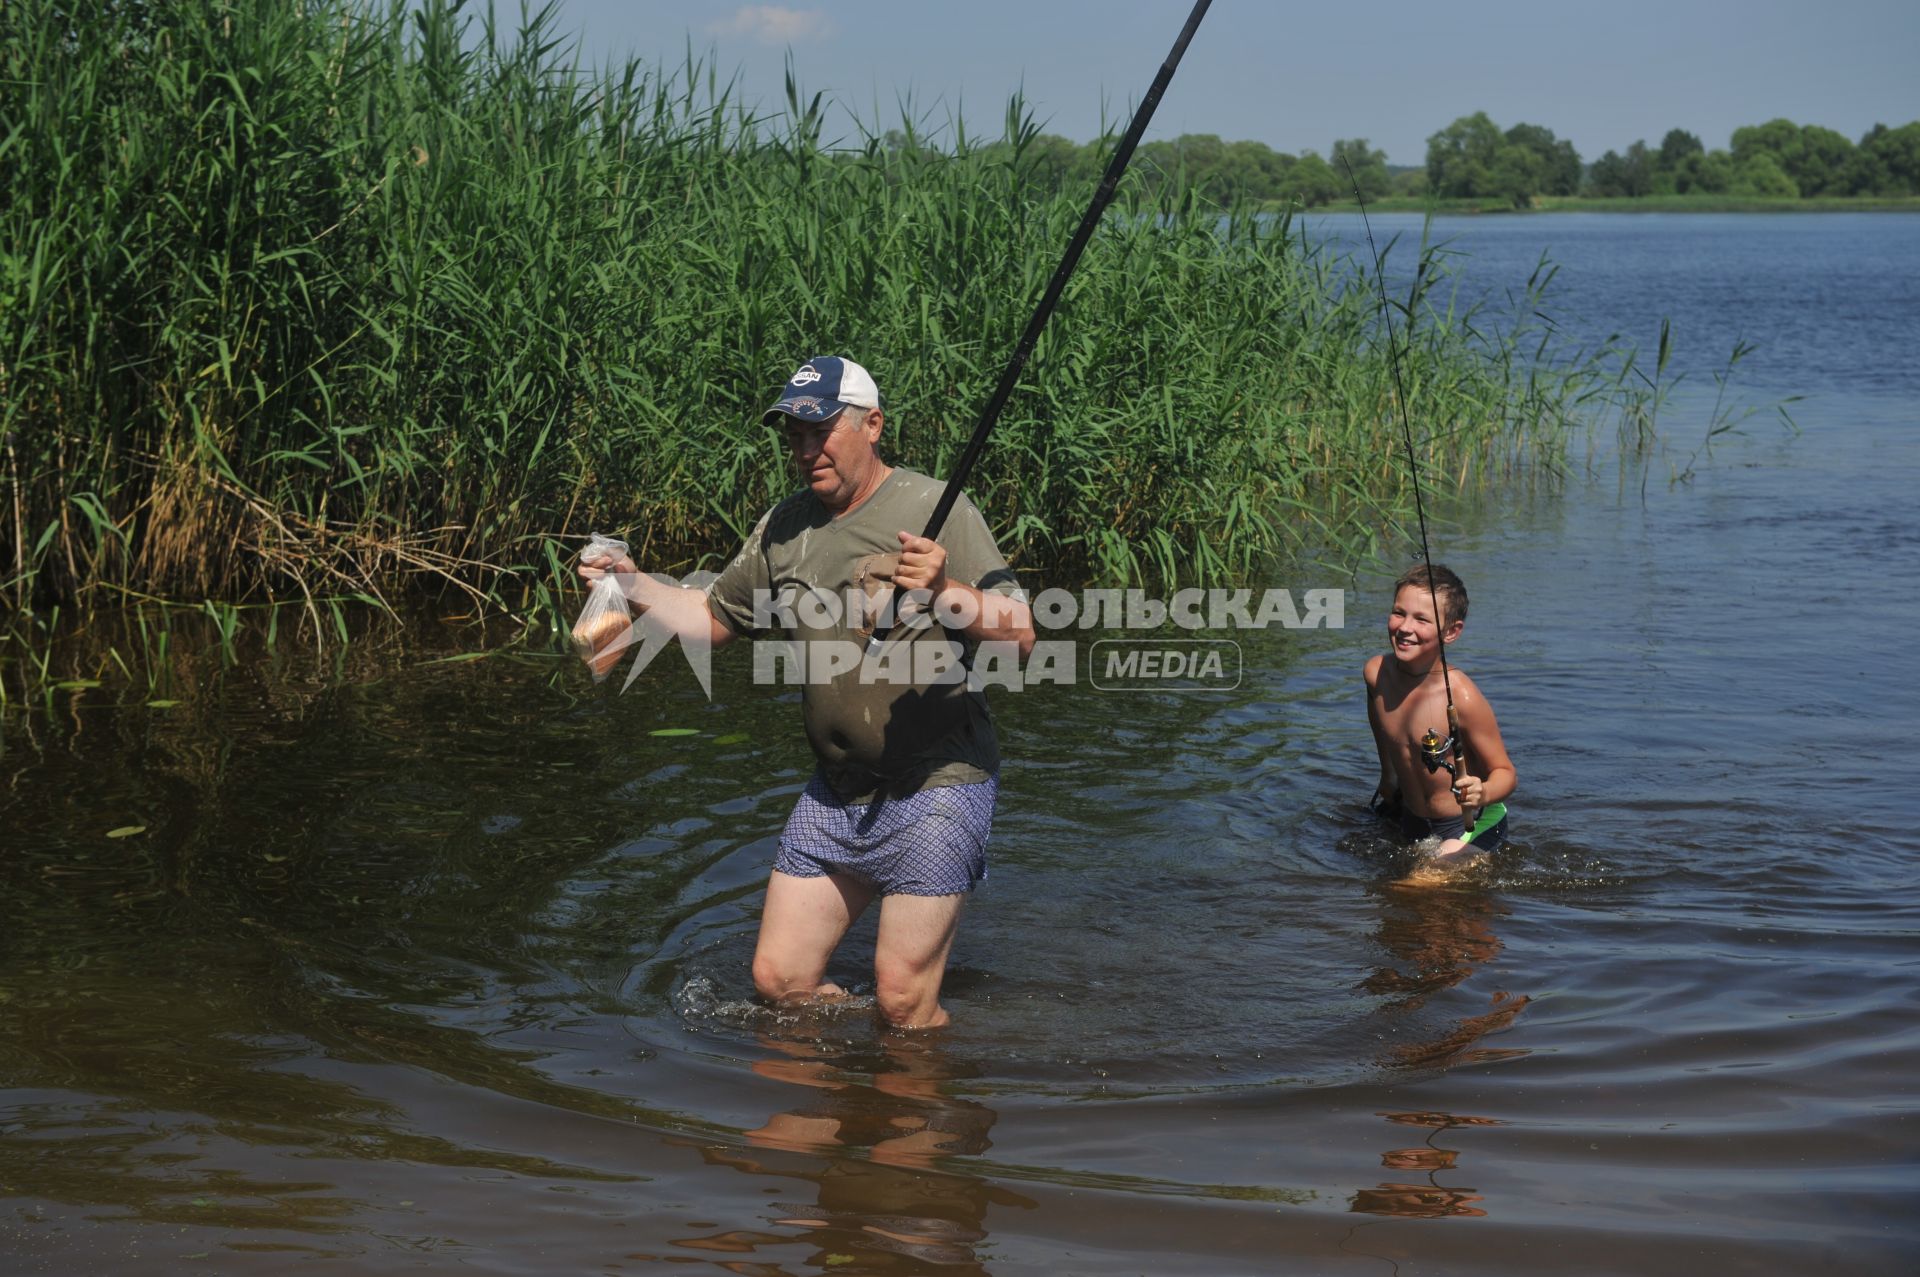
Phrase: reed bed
[322,302]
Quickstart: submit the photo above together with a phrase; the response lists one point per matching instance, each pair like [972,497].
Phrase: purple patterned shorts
[930,843]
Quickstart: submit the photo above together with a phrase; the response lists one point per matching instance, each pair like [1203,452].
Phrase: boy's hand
[1471,791]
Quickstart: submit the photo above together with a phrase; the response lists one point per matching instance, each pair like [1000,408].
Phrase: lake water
[444,965]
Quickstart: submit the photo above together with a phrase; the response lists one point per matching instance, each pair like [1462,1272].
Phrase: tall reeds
[330,299]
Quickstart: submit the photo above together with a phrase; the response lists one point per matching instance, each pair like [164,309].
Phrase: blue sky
[1297,76]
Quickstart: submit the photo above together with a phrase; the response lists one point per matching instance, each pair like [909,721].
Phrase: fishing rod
[1102,196]
[1434,752]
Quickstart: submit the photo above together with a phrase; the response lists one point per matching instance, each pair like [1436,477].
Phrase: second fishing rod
[1435,753]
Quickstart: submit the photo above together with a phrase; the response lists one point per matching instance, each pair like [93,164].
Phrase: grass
[306,309]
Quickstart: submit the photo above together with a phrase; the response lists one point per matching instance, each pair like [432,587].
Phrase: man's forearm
[686,611]
[989,617]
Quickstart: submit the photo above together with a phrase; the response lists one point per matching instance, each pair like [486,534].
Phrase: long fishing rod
[1434,752]
[1102,196]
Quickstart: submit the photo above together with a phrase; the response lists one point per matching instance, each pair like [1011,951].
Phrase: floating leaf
[126,831]
[161,704]
[676,731]
[733,738]
[462,656]
[76,685]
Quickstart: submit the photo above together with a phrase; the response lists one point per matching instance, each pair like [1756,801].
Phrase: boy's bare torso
[1402,708]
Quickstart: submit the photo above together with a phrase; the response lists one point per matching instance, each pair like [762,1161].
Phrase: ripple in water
[702,1005]
[1289,987]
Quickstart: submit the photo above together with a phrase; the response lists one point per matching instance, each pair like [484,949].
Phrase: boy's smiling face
[1412,631]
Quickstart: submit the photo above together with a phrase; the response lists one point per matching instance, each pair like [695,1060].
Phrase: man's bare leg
[910,958]
[803,920]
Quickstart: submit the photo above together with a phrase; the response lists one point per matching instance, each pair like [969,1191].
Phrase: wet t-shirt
[876,725]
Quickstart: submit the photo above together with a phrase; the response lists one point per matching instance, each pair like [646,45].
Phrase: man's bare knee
[910,1007]
[907,994]
[910,958]
[775,982]
[768,980]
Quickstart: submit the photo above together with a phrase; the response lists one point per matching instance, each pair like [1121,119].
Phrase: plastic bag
[605,625]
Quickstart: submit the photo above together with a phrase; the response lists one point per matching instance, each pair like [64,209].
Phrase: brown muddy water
[442,966]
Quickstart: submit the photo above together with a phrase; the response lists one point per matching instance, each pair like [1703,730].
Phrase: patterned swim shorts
[930,843]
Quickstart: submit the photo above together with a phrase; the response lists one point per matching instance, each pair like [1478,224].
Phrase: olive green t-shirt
[874,729]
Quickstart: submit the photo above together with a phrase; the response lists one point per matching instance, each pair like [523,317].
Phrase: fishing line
[1432,748]
[1102,196]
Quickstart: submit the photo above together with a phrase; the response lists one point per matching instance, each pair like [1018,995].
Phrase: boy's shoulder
[1464,687]
[1371,670]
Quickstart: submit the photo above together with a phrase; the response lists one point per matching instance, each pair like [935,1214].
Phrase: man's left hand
[923,566]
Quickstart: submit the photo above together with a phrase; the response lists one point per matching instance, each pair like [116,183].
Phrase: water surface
[426,964]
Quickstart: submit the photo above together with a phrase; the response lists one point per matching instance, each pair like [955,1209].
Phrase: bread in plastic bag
[605,625]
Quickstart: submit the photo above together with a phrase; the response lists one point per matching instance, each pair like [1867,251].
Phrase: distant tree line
[1219,170]
[1775,158]
[1473,158]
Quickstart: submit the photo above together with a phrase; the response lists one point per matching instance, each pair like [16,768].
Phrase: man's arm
[686,612]
[985,616]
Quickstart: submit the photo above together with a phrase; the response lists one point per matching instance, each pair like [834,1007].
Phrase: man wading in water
[902,803]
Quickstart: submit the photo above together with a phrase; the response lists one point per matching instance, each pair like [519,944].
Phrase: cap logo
[806,376]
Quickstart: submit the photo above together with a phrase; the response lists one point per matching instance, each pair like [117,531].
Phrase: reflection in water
[873,1135]
[1431,1200]
[1436,939]
[218,1016]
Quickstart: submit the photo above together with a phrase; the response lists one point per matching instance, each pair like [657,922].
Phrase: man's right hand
[594,566]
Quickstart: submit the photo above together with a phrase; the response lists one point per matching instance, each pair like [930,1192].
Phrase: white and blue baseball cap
[821,388]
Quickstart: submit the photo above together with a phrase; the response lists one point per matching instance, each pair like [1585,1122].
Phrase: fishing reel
[1437,753]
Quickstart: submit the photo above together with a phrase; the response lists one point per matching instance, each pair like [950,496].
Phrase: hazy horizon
[1296,78]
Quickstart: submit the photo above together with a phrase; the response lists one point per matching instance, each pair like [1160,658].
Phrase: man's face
[835,458]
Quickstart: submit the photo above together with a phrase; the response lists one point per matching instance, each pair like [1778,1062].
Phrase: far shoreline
[1641,204]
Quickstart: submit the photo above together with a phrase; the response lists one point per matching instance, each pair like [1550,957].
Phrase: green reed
[310,304]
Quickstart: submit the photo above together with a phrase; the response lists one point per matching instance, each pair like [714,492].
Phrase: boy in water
[1407,698]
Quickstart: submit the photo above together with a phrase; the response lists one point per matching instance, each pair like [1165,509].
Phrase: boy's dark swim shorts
[1489,831]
